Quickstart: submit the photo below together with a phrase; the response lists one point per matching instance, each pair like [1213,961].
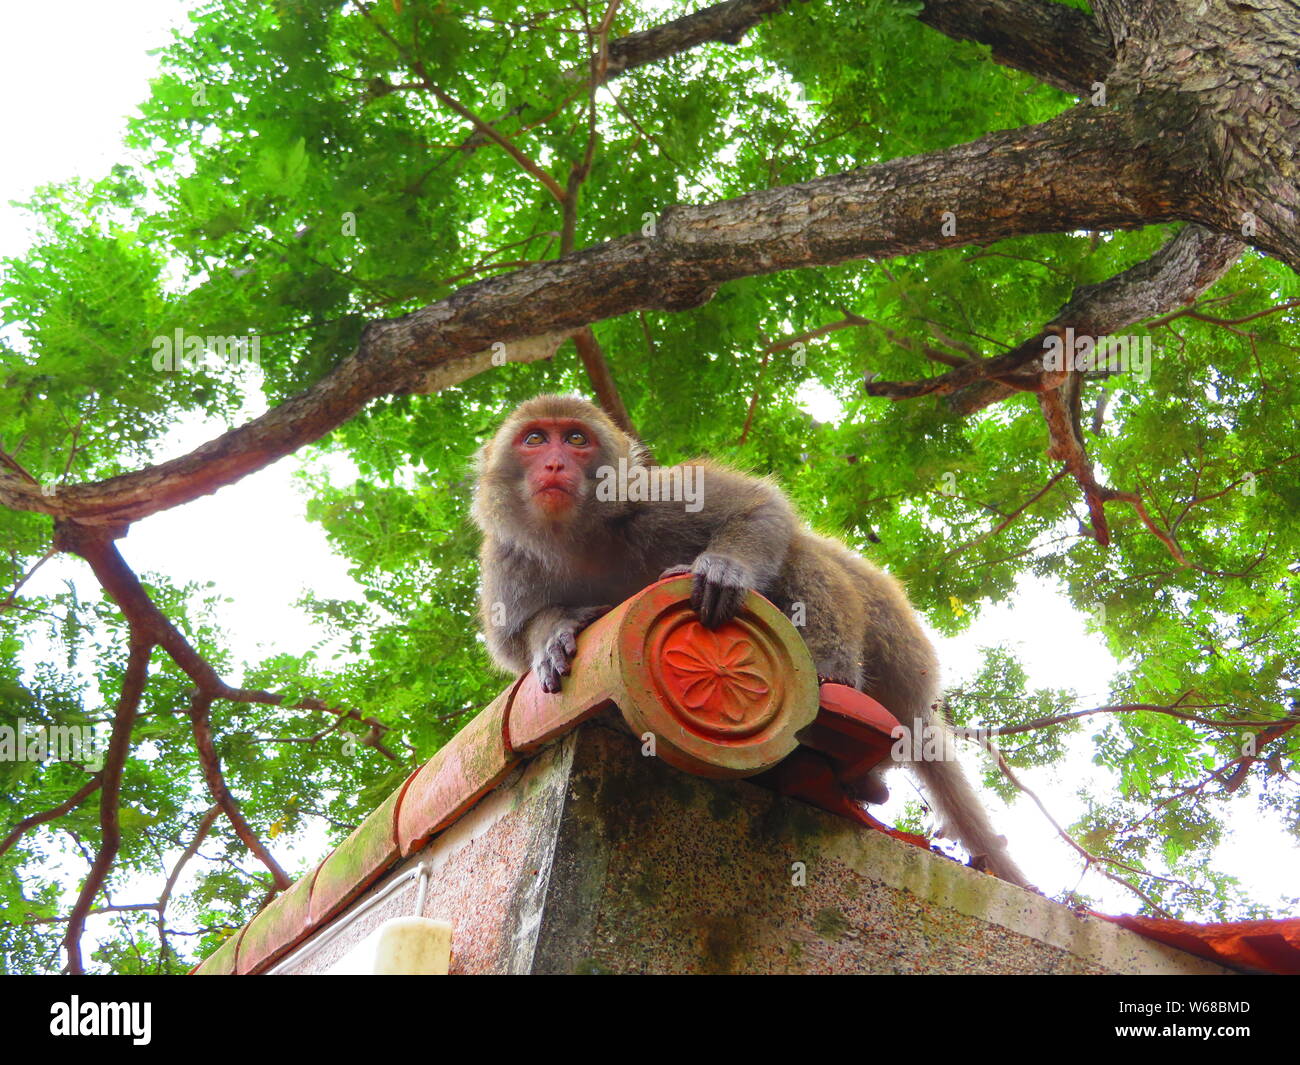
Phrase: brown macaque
[560,549]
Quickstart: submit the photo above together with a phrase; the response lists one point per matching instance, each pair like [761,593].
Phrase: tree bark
[1059,45]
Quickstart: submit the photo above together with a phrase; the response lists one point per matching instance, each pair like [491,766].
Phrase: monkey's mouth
[554,496]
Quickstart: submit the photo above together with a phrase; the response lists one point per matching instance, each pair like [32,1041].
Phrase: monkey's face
[557,455]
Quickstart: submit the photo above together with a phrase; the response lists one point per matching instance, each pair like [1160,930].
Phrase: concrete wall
[591,858]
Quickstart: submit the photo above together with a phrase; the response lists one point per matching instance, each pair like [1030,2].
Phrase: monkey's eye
[576,438]
[534,438]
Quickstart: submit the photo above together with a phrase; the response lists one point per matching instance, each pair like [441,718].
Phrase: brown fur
[543,581]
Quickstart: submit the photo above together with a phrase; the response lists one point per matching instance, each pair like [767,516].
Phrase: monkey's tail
[961,811]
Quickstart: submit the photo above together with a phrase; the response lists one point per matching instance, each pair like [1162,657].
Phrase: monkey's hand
[555,659]
[721,584]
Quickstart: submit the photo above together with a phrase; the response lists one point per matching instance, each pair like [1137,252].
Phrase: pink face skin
[555,453]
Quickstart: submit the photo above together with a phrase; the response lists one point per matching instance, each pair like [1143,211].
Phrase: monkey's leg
[901,670]
[961,810]
[823,602]
[907,683]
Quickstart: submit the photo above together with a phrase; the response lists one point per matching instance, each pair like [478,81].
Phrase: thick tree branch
[96,547]
[1060,45]
[125,589]
[1179,272]
[123,586]
[725,23]
[1125,20]
[1060,407]
[1072,172]
[1246,761]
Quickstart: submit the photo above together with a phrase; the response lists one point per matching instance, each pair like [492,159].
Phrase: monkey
[558,552]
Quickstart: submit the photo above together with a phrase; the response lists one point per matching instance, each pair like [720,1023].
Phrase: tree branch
[119,744]
[1128,708]
[200,704]
[124,587]
[54,812]
[1060,45]
[96,546]
[725,23]
[10,599]
[1183,268]
[1061,175]
[205,826]
[602,381]
[376,727]
[1092,860]
[1010,518]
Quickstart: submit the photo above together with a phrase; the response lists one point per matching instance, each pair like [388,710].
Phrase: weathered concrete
[591,858]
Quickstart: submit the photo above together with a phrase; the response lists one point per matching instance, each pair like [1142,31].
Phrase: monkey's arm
[510,594]
[552,637]
[524,630]
[751,525]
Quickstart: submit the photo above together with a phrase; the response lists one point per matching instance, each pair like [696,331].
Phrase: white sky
[68,82]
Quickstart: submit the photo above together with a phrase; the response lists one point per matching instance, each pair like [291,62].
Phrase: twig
[13,595]
[205,826]
[1128,708]
[1007,521]
[1092,860]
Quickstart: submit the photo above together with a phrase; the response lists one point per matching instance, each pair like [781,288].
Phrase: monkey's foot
[869,788]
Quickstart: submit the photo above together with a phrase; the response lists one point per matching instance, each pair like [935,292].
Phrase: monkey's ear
[482,457]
